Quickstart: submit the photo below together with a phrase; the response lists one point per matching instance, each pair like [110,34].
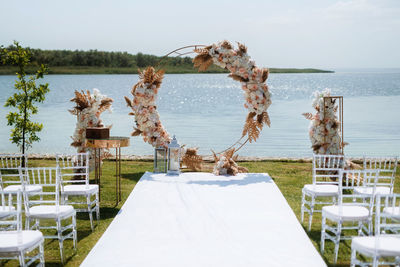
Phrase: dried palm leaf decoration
[192,160]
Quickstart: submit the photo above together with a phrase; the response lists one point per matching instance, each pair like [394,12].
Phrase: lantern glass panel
[160,160]
[173,159]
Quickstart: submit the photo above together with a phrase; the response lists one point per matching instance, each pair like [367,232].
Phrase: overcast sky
[297,33]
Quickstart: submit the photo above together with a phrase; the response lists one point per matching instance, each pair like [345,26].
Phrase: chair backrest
[10,216]
[9,164]
[349,180]
[387,169]
[49,179]
[326,168]
[387,214]
[12,161]
[74,168]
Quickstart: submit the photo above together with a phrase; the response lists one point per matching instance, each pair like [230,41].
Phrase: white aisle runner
[198,219]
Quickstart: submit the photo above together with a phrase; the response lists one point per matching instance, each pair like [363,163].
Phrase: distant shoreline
[102,62]
[7,70]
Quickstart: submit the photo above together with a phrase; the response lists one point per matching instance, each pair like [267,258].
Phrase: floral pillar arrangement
[88,109]
[325,128]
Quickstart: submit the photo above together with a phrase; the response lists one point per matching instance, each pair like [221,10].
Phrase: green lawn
[289,176]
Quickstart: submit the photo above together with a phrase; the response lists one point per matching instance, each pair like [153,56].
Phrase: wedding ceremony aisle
[199,219]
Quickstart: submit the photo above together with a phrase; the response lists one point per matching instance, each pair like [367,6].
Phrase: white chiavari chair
[75,187]
[44,206]
[9,177]
[324,189]
[9,216]
[15,243]
[387,173]
[353,211]
[384,247]
[12,161]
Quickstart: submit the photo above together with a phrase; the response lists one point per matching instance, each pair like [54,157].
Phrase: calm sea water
[206,110]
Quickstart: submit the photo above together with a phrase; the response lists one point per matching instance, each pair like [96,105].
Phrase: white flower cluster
[258,98]
[147,117]
[324,130]
[219,167]
[88,117]
[226,165]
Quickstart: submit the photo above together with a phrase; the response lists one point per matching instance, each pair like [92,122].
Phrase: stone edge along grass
[205,158]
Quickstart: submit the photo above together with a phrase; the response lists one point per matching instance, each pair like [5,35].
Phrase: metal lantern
[173,157]
[160,159]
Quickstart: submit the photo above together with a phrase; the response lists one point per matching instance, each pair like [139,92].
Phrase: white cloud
[306,33]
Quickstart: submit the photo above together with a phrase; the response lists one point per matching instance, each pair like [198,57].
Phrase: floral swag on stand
[242,69]
[324,128]
[88,110]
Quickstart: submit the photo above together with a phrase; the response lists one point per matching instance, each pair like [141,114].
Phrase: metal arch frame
[158,65]
[340,98]
[179,54]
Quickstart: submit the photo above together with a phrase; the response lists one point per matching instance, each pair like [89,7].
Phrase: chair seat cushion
[5,211]
[13,241]
[386,245]
[383,190]
[327,190]
[393,212]
[346,213]
[28,188]
[51,212]
[80,189]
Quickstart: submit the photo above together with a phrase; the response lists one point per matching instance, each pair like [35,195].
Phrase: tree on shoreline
[25,131]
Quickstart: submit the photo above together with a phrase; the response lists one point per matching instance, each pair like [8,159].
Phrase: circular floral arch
[242,69]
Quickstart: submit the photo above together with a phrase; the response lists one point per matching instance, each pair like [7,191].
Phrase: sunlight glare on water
[206,110]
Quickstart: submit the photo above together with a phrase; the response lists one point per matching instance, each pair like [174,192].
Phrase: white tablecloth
[198,219]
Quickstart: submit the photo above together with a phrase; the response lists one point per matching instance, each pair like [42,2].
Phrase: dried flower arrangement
[88,110]
[324,130]
[253,82]
[144,108]
[252,79]
[191,159]
[147,119]
[237,61]
[225,164]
